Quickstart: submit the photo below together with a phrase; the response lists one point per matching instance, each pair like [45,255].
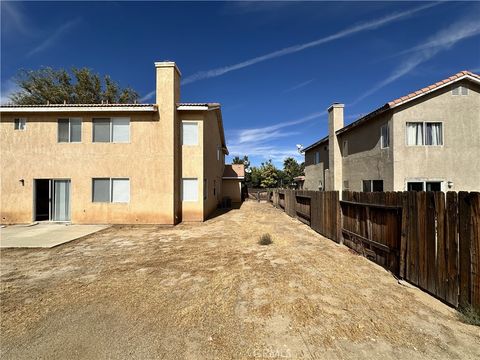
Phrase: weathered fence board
[431,239]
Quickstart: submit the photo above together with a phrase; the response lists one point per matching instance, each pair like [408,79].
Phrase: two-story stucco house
[427,140]
[159,163]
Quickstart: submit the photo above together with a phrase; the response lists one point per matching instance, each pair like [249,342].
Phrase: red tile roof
[432,87]
[402,100]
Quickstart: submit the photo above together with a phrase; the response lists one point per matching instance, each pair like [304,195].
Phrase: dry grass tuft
[470,316]
[265,239]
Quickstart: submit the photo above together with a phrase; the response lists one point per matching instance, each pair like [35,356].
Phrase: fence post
[464,248]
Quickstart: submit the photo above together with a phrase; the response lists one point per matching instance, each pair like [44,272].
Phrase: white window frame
[183,194]
[22,124]
[424,130]
[70,130]
[111,120]
[110,190]
[196,122]
[424,181]
[384,126]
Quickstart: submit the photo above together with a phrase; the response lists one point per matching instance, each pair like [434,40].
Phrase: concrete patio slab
[44,235]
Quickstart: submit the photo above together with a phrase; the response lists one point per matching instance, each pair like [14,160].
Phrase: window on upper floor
[317,157]
[345,148]
[69,130]
[115,130]
[460,90]
[424,133]
[385,136]
[189,133]
[20,124]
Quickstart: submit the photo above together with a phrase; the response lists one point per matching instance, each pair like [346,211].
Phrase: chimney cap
[335,105]
[164,64]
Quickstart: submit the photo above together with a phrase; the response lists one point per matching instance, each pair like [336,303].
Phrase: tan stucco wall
[365,159]
[213,167]
[232,189]
[35,153]
[458,160]
[192,167]
[314,173]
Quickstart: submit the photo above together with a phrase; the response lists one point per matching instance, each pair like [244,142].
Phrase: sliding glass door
[61,200]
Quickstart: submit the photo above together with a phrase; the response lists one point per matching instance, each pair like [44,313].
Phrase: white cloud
[14,18]
[8,88]
[53,38]
[441,41]
[296,48]
[148,96]
[298,86]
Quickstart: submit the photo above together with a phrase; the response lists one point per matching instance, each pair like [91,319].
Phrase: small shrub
[265,239]
[470,316]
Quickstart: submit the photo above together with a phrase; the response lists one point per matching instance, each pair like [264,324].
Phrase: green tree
[55,86]
[291,169]
[269,175]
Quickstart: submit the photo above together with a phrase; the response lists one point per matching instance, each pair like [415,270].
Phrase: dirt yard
[209,291]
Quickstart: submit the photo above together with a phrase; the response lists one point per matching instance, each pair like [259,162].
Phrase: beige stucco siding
[35,154]
[365,159]
[458,159]
[315,173]
[213,165]
[232,188]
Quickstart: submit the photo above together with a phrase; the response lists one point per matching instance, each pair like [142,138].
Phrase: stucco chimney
[167,97]
[168,83]
[335,122]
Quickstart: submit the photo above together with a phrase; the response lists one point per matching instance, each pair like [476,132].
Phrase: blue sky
[274,66]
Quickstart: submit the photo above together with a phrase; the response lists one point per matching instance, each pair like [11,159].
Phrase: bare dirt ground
[209,291]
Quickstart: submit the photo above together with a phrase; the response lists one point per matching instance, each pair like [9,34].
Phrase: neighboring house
[233,180]
[428,140]
[113,163]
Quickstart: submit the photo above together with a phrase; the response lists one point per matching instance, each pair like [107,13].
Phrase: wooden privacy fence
[319,209]
[430,239]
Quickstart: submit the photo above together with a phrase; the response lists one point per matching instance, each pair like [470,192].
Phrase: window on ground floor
[424,186]
[372,185]
[190,189]
[115,190]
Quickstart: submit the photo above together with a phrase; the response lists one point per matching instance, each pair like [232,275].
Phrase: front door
[52,200]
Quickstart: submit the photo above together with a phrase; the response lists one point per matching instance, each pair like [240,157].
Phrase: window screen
[414,133]
[433,134]
[415,186]
[63,130]
[189,189]
[317,157]
[345,148]
[385,136]
[75,130]
[377,185]
[20,124]
[367,185]
[121,130]
[189,133]
[101,130]
[120,190]
[433,186]
[463,90]
[101,190]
